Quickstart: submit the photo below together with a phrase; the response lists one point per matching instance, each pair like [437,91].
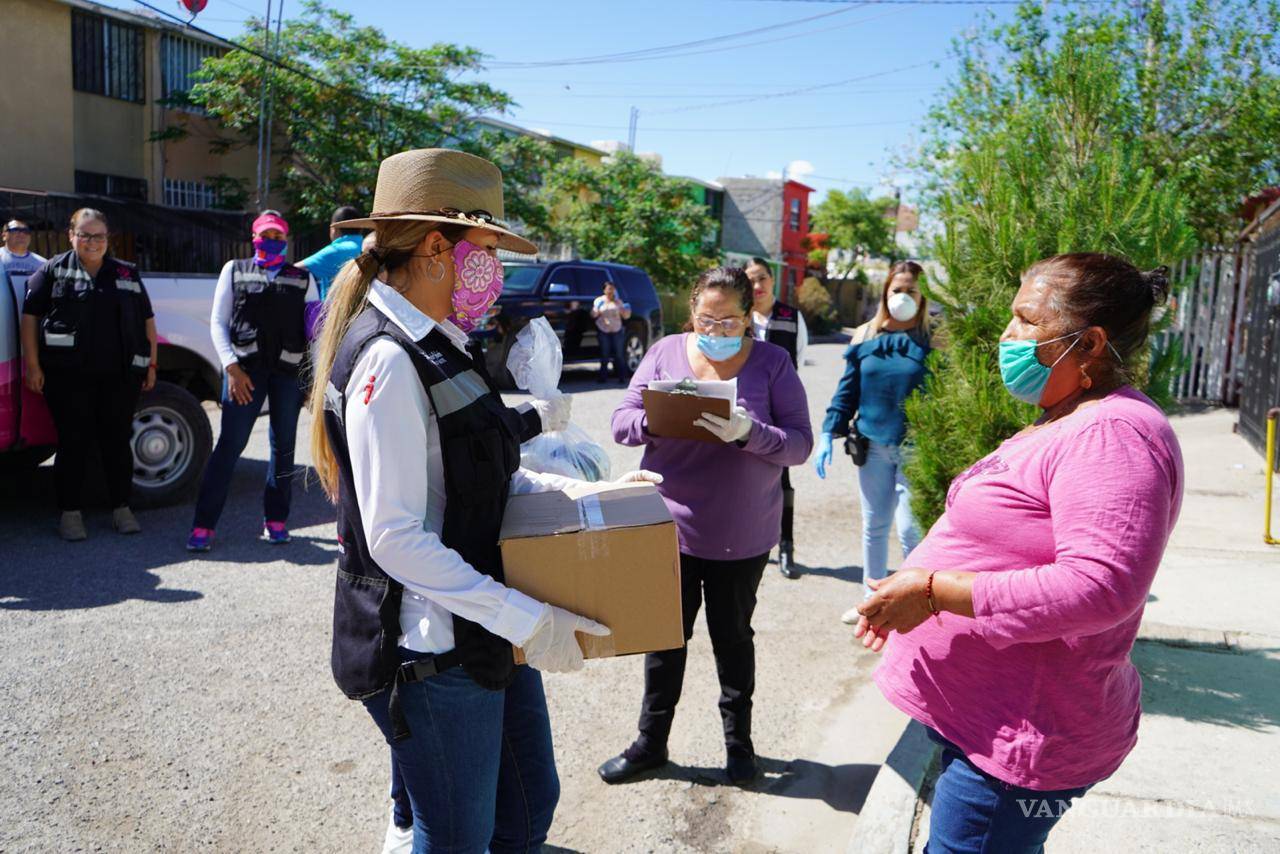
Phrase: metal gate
[1261,387]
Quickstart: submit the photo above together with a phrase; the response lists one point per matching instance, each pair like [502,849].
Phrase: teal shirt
[326,263]
[879,375]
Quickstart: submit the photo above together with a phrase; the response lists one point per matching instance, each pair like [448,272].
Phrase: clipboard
[671,415]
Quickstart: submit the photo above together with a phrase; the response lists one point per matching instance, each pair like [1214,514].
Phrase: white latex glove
[554,411]
[553,646]
[732,429]
[640,476]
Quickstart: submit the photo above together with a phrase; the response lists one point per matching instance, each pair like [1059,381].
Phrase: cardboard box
[605,551]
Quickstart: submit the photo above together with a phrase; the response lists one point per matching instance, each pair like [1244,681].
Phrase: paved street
[159,702]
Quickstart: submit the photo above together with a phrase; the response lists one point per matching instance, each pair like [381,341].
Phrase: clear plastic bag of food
[535,361]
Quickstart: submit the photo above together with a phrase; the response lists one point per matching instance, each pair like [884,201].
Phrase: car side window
[562,282]
[589,282]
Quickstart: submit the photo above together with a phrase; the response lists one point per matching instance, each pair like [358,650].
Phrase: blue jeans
[885,500]
[479,766]
[285,393]
[975,813]
[612,345]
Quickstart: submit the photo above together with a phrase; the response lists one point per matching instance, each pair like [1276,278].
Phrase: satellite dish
[195,7]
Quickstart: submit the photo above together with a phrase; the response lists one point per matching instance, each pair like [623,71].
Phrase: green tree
[855,222]
[1049,173]
[361,97]
[626,210]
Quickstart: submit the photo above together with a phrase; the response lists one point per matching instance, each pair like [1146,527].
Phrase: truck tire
[171,443]
[634,346]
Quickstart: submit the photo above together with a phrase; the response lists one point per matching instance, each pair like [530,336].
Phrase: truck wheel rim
[635,352]
[162,447]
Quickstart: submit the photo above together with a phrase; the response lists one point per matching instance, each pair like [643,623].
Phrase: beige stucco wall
[109,135]
[189,159]
[35,63]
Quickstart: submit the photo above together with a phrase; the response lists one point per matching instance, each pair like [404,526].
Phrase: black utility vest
[784,329]
[268,326]
[480,443]
[65,339]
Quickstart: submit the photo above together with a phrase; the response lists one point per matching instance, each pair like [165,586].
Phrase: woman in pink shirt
[1012,629]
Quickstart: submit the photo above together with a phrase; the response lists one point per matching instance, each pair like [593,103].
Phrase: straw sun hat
[441,185]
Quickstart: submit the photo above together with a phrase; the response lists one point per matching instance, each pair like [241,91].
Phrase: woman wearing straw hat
[420,455]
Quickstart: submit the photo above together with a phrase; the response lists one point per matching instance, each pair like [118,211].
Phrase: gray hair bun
[1157,281]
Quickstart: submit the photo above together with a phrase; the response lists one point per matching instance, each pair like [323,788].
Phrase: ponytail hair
[388,247]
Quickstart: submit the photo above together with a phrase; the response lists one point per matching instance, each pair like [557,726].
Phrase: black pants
[92,409]
[729,587]
[788,507]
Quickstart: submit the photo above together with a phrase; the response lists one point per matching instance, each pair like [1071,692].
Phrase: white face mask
[903,307]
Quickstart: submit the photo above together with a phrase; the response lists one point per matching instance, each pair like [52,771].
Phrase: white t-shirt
[20,268]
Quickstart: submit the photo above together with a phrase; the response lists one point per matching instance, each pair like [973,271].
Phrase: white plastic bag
[535,361]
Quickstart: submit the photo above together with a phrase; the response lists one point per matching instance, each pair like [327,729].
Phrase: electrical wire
[723,129]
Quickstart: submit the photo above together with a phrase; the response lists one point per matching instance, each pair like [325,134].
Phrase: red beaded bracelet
[928,594]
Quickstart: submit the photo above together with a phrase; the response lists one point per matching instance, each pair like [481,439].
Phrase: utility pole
[631,132]
[262,100]
[893,238]
[271,101]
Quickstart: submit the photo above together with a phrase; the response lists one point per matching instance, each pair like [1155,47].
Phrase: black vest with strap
[65,336]
[268,326]
[480,446]
[784,329]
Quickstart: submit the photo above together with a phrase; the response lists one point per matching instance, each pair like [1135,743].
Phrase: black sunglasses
[17,229]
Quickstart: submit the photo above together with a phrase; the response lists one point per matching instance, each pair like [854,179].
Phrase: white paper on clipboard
[720,389]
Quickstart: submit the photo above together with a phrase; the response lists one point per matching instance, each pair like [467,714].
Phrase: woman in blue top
[885,364]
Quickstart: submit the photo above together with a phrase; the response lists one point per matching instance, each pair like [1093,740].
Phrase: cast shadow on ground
[843,573]
[41,573]
[1203,682]
[841,787]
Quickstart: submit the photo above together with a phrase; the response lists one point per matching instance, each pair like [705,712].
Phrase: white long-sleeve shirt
[224,300]
[398,476]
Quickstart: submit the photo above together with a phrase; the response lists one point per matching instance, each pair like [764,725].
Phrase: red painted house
[769,218]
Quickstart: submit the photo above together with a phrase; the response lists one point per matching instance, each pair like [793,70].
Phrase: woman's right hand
[239,386]
[553,646]
[33,375]
[823,457]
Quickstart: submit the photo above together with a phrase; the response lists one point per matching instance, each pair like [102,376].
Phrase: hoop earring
[1086,381]
[435,277]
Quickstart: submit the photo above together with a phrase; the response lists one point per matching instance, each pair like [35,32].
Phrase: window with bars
[190,194]
[107,57]
[180,58]
[98,184]
[794,219]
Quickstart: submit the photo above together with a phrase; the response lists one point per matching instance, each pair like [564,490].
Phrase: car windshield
[520,278]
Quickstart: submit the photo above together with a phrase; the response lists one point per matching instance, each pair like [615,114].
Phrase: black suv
[563,292]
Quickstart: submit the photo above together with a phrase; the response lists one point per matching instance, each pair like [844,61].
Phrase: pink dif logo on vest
[368,389]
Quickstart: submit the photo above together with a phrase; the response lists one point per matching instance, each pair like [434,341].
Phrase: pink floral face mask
[477,286]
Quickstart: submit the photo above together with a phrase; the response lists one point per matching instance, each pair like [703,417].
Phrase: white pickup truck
[172,438]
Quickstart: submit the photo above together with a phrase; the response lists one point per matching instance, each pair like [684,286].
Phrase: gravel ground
[158,702]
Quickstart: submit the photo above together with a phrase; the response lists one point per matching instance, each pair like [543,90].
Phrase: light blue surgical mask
[719,348]
[1021,371]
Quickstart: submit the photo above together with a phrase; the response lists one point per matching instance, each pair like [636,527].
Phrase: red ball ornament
[195,7]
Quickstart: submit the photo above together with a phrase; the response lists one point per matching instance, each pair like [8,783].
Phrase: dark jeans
[612,345]
[788,507]
[478,767]
[729,587]
[975,813]
[285,394]
[88,410]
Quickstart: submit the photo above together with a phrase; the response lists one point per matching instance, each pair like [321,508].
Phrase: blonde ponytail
[392,246]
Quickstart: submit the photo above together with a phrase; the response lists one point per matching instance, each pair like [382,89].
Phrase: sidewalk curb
[888,816]
[1221,639]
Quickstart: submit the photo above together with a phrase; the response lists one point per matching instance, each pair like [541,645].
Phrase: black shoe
[741,767]
[786,563]
[631,763]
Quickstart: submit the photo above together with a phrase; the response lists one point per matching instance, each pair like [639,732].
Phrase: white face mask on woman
[903,307]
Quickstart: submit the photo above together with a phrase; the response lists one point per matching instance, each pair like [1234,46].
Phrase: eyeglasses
[91,238]
[727,325]
[18,229]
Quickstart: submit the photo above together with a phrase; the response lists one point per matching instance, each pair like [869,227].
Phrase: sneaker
[276,533]
[399,840]
[123,520]
[71,527]
[201,540]
[850,617]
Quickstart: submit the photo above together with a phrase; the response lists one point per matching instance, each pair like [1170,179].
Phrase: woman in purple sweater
[1042,562]
[726,498]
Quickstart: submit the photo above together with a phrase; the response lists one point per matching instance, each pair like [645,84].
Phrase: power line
[651,52]
[723,129]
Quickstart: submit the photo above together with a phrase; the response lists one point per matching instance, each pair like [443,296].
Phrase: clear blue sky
[849,131]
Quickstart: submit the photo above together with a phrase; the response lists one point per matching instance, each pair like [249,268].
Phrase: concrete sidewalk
[1202,777]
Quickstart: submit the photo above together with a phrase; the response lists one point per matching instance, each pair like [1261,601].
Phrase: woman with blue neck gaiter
[884,365]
